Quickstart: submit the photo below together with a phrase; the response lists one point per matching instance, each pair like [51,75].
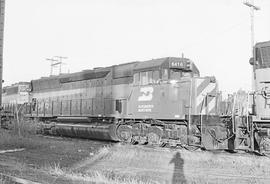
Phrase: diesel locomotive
[161,102]
[260,114]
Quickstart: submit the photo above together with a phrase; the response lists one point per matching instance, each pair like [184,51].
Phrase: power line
[56,62]
[60,63]
[53,62]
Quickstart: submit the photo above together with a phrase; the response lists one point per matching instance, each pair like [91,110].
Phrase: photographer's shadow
[178,173]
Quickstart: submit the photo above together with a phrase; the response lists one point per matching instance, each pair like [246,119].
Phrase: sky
[215,35]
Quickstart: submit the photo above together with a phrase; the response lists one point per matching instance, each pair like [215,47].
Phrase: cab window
[186,74]
[143,78]
[136,79]
[165,75]
[155,76]
[150,77]
[175,74]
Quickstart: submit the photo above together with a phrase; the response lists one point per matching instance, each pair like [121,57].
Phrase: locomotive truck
[161,102]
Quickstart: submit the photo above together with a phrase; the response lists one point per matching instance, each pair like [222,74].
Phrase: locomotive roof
[85,75]
[117,71]
[263,44]
[103,71]
[17,84]
[155,64]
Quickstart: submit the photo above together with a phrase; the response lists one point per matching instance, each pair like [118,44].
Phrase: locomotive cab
[261,97]
[171,93]
[261,80]
[163,89]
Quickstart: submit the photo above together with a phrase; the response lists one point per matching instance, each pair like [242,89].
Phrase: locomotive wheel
[265,146]
[124,133]
[143,140]
[154,135]
[134,140]
[153,138]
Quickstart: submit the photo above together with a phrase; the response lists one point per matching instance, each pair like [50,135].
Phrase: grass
[5,178]
[21,136]
[3,181]
[108,177]
[13,141]
[77,174]
[100,177]
[25,127]
[156,164]
[55,169]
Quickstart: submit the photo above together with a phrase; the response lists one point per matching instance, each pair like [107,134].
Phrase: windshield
[176,74]
[263,56]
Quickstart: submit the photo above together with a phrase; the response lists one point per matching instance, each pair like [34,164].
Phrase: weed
[55,169]
[25,127]
[9,140]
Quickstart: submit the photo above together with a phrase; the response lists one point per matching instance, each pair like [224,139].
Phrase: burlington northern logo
[146,94]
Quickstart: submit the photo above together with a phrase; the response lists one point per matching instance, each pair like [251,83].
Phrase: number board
[178,64]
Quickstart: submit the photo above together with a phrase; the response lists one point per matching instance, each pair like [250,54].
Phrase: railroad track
[4,178]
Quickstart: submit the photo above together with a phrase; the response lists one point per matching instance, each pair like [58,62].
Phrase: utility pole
[252,8]
[2,16]
[253,51]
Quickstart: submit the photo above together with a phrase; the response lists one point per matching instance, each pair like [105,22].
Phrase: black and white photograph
[134,91]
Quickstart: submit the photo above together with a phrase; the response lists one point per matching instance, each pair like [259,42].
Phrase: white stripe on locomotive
[212,105]
[201,97]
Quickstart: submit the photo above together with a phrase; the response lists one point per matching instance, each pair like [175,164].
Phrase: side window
[143,78]
[136,79]
[258,56]
[118,106]
[165,75]
[155,76]
[150,77]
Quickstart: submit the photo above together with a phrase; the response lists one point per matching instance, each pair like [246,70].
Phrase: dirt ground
[161,165]
[40,162]
[66,160]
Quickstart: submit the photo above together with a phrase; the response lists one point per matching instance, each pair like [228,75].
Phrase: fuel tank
[81,128]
